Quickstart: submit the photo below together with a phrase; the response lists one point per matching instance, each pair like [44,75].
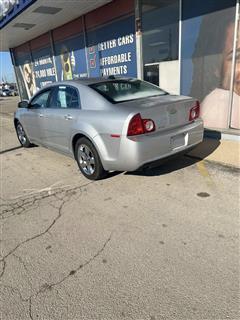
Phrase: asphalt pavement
[157,244]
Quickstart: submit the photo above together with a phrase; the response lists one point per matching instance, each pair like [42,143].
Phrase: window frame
[56,87]
[144,30]
[39,94]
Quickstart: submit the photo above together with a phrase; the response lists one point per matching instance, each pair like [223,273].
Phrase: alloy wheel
[21,134]
[86,159]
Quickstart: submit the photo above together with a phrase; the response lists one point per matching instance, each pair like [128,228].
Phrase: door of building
[151,73]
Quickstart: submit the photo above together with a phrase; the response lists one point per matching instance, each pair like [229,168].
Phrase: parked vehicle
[13,92]
[3,93]
[109,124]
[8,93]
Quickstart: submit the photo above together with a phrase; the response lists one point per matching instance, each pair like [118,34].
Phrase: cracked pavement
[161,244]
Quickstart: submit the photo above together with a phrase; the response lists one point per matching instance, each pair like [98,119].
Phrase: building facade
[185,47]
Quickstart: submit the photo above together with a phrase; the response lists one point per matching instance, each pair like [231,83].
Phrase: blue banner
[25,74]
[71,59]
[112,49]
[43,67]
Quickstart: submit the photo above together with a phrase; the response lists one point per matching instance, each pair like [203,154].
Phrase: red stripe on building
[21,50]
[69,29]
[109,12]
[40,42]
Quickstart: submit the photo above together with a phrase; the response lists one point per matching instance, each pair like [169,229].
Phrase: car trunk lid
[166,111]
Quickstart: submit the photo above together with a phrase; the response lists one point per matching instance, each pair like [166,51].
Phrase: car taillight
[138,126]
[194,112]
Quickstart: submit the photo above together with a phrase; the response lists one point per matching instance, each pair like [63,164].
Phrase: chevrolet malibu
[109,124]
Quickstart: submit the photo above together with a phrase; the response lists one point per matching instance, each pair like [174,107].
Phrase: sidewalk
[225,152]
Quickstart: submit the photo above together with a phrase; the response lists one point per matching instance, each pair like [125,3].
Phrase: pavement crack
[74,271]
[24,204]
[21,206]
[67,195]
[47,286]
[24,266]
[30,308]
[3,268]
[37,235]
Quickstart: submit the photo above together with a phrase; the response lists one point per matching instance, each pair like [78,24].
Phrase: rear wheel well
[75,139]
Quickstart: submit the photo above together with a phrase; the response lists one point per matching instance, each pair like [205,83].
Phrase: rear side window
[64,97]
[125,90]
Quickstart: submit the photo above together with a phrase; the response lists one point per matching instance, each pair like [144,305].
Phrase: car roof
[88,81]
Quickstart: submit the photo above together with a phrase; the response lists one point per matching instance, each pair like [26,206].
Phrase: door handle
[41,115]
[68,117]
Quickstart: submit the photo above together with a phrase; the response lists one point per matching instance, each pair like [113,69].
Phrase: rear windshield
[117,91]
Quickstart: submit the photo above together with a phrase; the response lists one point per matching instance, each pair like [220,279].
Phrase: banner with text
[43,66]
[112,49]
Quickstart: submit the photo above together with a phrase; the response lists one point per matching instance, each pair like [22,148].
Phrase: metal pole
[180,45]
[14,66]
[53,54]
[85,44]
[233,64]
[139,51]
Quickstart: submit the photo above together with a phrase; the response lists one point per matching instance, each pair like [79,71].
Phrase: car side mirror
[23,104]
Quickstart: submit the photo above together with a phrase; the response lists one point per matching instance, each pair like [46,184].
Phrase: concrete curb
[225,166]
[224,152]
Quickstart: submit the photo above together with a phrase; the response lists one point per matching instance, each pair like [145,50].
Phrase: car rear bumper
[135,152]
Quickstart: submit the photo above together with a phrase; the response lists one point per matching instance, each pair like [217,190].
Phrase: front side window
[41,100]
[125,90]
[64,97]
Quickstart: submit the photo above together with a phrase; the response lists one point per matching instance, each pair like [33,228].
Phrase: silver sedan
[109,124]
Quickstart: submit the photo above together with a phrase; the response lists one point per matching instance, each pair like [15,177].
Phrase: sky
[6,68]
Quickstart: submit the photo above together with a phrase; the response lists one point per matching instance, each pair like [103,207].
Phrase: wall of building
[101,43]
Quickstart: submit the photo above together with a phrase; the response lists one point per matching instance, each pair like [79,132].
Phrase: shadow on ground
[205,148]
[169,164]
[10,149]
[165,166]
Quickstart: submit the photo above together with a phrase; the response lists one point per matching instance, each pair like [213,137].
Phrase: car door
[34,116]
[60,117]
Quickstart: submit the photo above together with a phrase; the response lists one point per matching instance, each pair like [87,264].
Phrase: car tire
[88,160]
[22,137]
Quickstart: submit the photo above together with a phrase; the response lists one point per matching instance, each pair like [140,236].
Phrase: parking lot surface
[158,244]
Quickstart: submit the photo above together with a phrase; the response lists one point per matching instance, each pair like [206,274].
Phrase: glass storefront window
[207,57]
[160,25]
